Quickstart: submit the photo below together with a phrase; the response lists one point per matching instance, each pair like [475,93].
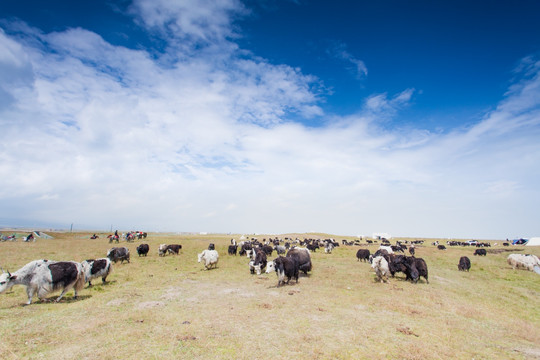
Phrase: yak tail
[81,280]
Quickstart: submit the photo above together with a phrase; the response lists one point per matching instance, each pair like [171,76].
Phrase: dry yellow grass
[169,307]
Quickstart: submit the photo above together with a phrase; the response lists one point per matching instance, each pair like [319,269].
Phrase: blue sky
[458,54]
[350,117]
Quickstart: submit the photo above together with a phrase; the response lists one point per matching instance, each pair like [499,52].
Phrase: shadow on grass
[67,300]
[285,284]
[52,300]
[205,269]
[100,284]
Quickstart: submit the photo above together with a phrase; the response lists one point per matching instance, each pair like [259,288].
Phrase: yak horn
[1,268]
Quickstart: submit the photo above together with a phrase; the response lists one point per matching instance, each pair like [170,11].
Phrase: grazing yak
[420,265]
[143,249]
[395,263]
[441,247]
[174,248]
[210,258]
[280,249]
[284,267]
[45,276]
[312,247]
[464,264]
[303,257]
[96,268]
[480,252]
[169,249]
[244,248]
[413,267]
[162,249]
[233,249]
[380,265]
[328,248]
[260,261]
[267,249]
[116,254]
[363,254]
[523,261]
[411,272]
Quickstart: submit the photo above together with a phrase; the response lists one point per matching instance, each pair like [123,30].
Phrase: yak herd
[42,277]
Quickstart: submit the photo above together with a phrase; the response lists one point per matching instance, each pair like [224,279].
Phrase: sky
[417,118]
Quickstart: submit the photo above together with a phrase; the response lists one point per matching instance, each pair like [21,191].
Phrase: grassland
[169,307]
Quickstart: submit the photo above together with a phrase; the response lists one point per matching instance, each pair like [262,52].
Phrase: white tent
[41,234]
[379,236]
[535,241]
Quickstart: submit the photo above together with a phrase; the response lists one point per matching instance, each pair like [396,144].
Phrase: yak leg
[66,289]
[30,290]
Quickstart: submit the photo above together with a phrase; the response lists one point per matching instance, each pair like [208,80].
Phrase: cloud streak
[185,140]
[356,66]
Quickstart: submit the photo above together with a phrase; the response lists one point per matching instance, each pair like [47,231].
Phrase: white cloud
[502,188]
[205,21]
[339,51]
[15,70]
[204,143]
[380,106]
